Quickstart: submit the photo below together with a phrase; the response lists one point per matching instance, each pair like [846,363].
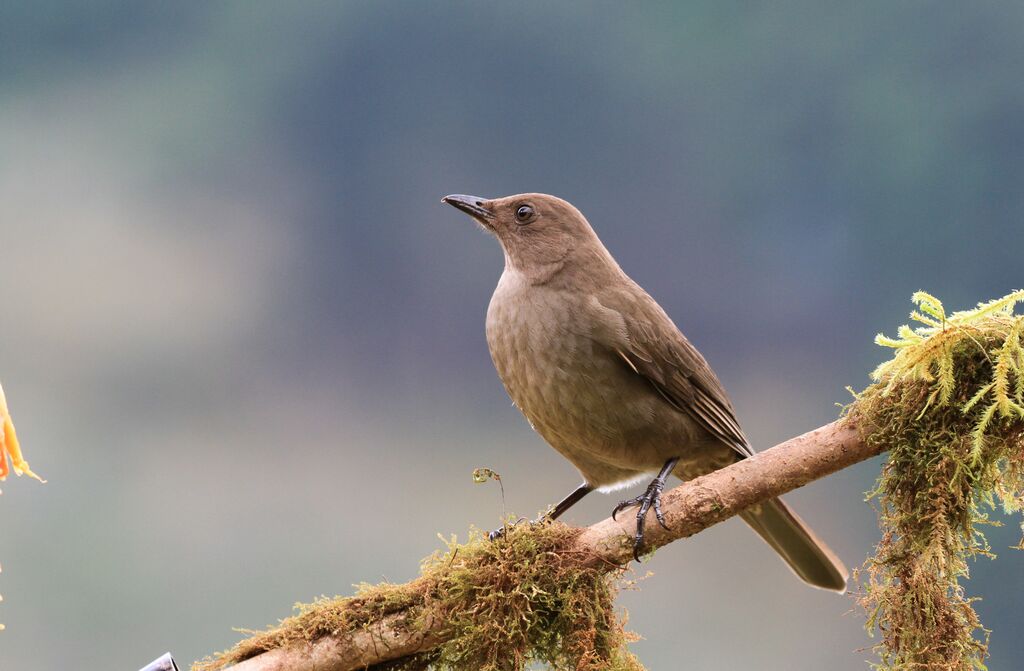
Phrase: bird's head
[537,231]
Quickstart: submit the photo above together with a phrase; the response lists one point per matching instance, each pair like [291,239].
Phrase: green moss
[949,407]
[323,617]
[526,598]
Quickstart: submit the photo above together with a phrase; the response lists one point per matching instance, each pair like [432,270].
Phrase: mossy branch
[949,408]
[432,620]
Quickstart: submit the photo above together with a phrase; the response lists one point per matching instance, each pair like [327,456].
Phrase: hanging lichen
[526,598]
[949,407]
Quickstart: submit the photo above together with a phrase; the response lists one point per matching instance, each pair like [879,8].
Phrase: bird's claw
[500,531]
[625,504]
[649,499]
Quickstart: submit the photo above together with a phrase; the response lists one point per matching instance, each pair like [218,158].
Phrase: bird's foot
[649,499]
[500,531]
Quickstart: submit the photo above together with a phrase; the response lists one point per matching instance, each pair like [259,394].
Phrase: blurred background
[243,339]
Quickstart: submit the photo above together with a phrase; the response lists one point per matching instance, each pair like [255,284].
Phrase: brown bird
[602,373]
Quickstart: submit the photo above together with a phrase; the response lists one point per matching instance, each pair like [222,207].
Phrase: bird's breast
[575,392]
[539,346]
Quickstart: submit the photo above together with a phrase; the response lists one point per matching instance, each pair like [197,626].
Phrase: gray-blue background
[244,340]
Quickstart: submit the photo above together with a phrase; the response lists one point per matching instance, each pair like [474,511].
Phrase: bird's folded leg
[647,500]
[553,513]
[500,531]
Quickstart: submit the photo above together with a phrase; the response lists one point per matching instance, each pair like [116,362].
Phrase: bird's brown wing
[658,351]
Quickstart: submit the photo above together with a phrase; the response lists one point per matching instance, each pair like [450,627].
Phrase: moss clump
[324,617]
[949,407]
[526,598]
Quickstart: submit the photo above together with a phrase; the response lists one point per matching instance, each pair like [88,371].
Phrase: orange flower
[9,448]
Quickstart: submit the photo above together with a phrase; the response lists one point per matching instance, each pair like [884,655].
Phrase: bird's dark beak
[471,205]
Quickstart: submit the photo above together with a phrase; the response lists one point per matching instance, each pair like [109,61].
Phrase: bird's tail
[810,559]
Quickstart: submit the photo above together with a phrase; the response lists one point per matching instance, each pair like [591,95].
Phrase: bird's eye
[524,214]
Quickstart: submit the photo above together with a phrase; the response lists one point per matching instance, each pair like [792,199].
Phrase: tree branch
[689,509]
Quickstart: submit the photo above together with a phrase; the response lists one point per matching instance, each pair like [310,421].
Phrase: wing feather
[658,351]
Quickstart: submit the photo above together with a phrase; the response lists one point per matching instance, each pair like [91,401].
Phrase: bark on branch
[689,509]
